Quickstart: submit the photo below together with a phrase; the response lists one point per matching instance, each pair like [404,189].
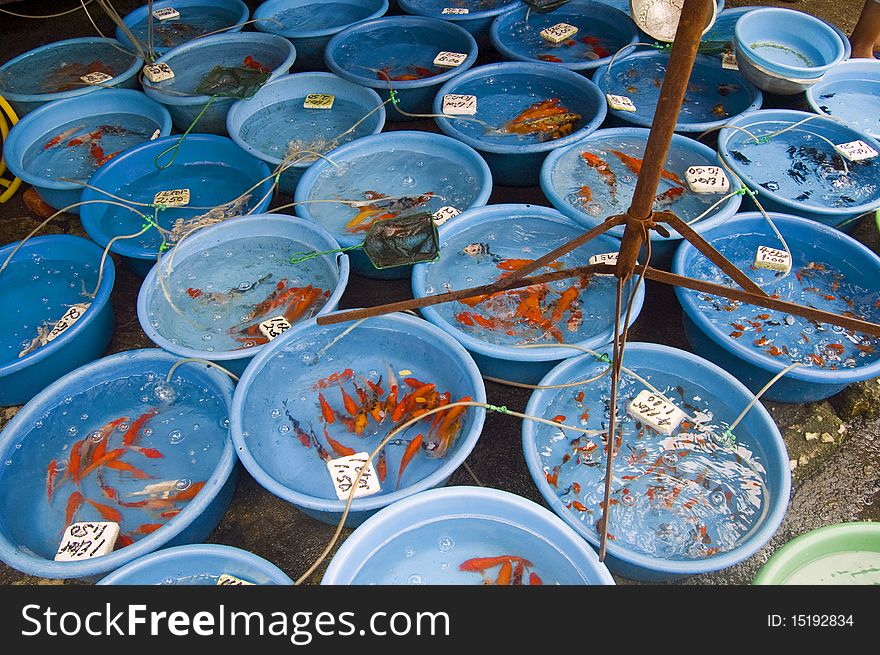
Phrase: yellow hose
[11,185]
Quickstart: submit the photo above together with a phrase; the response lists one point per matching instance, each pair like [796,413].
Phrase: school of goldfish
[512,570]
[547,119]
[634,164]
[595,49]
[379,207]
[91,139]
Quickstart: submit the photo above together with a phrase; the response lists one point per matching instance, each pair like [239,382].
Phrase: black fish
[827,95]
[798,172]
[740,157]
[804,196]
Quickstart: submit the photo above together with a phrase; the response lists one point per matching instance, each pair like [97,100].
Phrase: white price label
[728,61]
[344,470]
[318,101]
[655,411]
[227,580]
[70,317]
[274,327]
[707,179]
[559,32]
[773,259]
[96,78]
[620,103]
[455,11]
[604,258]
[444,214]
[172,198]
[86,540]
[155,135]
[856,150]
[166,13]
[158,72]
[449,59]
[456,104]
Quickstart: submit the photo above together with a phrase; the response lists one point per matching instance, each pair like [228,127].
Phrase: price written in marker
[344,470]
[227,580]
[172,198]
[620,103]
[274,327]
[707,179]
[856,150]
[455,11]
[158,72]
[447,59]
[772,259]
[166,13]
[728,61]
[96,78]
[444,214]
[70,317]
[87,540]
[456,104]
[319,101]
[559,32]
[656,412]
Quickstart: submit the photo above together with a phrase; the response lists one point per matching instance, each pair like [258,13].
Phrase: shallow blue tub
[602,31]
[99,125]
[197,18]
[198,564]
[45,277]
[714,95]
[419,170]
[844,277]
[281,430]
[310,24]
[479,16]
[851,92]
[691,502]
[376,53]
[566,172]
[504,91]
[232,270]
[274,124]
[52,72]
[185,420]
[427,538]
[213,168]
[192,62]
[799,170]
[568,311]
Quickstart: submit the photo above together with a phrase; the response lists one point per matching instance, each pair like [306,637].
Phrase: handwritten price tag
[158,72]
[273,327]
[155,135]
[444,214]
[318,101]
[728,61]
[86,540]
[70,317]
[449,59]
[856,150]
[559,32]
[344,470]
[227,580]
[166,13]
[455,11]
[456,104]
[707,179]
[620,103]
[773,259]
[172,198]
[96,78]
[656,412]
[604,258]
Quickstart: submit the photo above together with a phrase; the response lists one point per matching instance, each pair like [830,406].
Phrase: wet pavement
[834,481]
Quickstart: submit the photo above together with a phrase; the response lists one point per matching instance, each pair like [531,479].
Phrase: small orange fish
[349,404]
[551,58]
[719,110]
[326,410]
[553,478]
[335,378]
[147,528]
[123,541]
[408,454]
[534,579]
[107,513]
[817,360]
[585,194]
[252,63]
[504,574]
[601,167]
[382,466]
[73,504]
[51,474]
[128,468]
[338,448]
[103,460]
[634,164]
[131,435]
[480,564]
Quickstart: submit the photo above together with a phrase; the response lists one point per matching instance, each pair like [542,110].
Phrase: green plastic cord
[306,256]
[501,409]
[603,358]
[176,146]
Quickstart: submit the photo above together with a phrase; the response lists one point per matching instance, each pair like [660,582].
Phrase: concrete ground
[833,482]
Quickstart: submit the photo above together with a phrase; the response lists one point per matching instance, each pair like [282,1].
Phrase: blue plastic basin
[400,163]
[310,24]
[565,171]
[197,18]
[809,241]
[425,538]
[607,30]
[517,232]
[505,90]
[771,164]
[266,124]
[284,381]
[193,61]
[653,530]
[371,52]
[21,378]
[198,564]
[851,92]
[31,528]
[213,168]
[44,74]
[119,108]
[480,14]
[715,94]
[262,238]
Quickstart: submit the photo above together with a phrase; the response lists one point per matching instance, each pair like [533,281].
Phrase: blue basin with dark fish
[317,394]
[688,496]
[851,92]
[830,271]
[114,441]
[473,15]
[465,536]
[788,158]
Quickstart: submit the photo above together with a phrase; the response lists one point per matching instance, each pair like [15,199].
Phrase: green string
[392,96]
[306,256]
[603,358]
[729,438]
[501,409]
[176,147]
[662,47]
[746,191]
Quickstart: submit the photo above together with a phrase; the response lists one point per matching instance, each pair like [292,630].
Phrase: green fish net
[232,82]
[545,6]
[403,240]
